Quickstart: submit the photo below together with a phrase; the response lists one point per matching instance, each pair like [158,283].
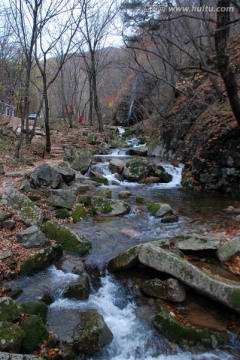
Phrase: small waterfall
[132,103]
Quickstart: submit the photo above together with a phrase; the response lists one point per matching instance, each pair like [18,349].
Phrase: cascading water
[132,102]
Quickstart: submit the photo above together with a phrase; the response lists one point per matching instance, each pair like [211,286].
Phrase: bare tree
[98,16]
[55,40]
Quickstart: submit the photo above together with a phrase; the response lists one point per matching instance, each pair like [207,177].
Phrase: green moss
[101,180]
[91,139]
[153,208]
[34,333]
[11,337]
[35,308]
[125,260]
[41,259]
[62,213]
[184,335]
[78,213]
[140,199]
[103,204]
[235,299]
[85,199]
[66,237]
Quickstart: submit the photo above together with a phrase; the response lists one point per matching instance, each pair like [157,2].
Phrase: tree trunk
[47,127]
[223,63]
[90,116]
[95,93]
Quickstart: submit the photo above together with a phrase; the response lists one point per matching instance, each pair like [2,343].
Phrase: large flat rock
[165,261]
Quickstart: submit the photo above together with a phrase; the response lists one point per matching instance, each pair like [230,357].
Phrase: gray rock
[44,175]
[161,173]
[97,176]
[165,261]
[78,188]
[139,151]
[8,224]
[79,289]
[4,215]
[170,290]
[28,212]
[125,260]
[9,309]
[92,333]
[163,210]
[67,173]
[105,192]
[124,194]
[109,207]
[116,166]
[62,199]
[8,356]
[42,259]
[159,209]
[82,162]
[195,242]
[11,337]
[2,172]
[32,237]
[229,249]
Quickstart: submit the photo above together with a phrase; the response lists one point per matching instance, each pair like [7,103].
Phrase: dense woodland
[177,70]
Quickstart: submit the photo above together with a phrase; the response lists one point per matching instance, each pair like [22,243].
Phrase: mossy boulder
[125,260]
[162,174]
[136,169]
[98,177]
[92,333]
[35,308]
[9,309]
[85,199]
[79,289]
[196,242]
[79,212]
[68,239]
[42,259]
[92,139]
[109,207]
[229,249]
[11,337]
[105,192]
[218,289]
[28,212]
[139,151]
[187,336]
[159,209]
[62,213]
[170,290]
[35,333]
[116,166]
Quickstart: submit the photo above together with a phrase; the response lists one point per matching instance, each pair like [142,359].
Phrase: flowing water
[134,338]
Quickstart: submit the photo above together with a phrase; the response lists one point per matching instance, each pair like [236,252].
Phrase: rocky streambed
[143,269]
